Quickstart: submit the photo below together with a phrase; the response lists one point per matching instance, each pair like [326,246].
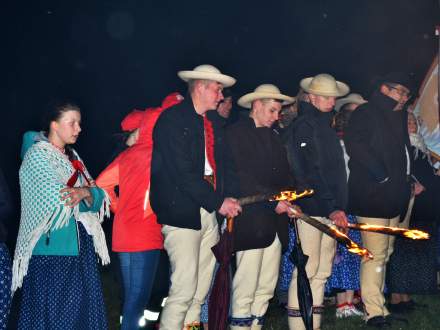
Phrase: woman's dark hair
[53,112]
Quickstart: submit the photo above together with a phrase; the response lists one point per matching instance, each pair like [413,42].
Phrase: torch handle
[254,199]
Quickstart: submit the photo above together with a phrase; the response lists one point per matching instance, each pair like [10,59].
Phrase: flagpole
[437,33]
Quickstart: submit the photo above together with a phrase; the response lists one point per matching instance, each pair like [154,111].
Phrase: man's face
[322,103]
[224,107]
[211,94]
[265,112]
[398,93]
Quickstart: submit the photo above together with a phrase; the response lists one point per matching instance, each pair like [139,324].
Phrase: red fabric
[209,143]
[79,169]
[135,226]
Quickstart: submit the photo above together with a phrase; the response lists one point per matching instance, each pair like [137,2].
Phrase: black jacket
[375,138]
[316,157]
[178,189]
[261,166]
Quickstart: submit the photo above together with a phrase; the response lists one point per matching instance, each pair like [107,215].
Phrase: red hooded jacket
[135,226]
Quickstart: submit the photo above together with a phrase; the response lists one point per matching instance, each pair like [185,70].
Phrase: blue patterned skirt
[345,273]
[64,292]
[286,266]
[5,285]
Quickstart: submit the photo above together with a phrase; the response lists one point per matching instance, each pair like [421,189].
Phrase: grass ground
[427,318]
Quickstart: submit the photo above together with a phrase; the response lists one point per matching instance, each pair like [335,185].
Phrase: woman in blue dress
[60,231]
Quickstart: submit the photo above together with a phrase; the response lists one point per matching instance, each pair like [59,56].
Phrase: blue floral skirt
[5,285]
[64,292]
[345,273]
[286,267]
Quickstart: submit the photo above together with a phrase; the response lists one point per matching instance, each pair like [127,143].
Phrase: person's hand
[294,211]
[339,218]
[418,188]
[72,196]
[282,207]
[230,207]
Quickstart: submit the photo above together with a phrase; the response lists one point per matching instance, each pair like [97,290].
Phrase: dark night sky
[113,56]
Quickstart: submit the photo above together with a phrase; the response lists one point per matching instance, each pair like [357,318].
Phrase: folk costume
[187,187]
[137,237]
[316,157]
[259,233]
[55,261]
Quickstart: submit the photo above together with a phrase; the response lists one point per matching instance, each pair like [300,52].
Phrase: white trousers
[255,281]
[321,250]
[192,265]
[373,271]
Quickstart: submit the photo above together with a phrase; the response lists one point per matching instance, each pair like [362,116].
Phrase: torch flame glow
[291,195]
[416,234]
[352,246]
[408,233]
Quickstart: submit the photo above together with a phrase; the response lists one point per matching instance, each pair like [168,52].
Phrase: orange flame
[352,246]
[291,195]
[409,233]
[415,234]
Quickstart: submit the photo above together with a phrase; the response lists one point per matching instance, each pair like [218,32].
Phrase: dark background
[113,56]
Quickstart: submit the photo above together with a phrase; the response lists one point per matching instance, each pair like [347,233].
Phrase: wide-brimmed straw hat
[325,85]
[207,72]
[265,91]
[350,98]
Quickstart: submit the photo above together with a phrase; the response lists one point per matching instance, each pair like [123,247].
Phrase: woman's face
[412,124]
[67,128]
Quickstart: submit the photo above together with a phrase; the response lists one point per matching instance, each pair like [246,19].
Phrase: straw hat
[265,91]
[325,85]
[207,72]
[350,98]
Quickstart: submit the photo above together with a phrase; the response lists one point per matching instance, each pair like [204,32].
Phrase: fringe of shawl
[21,263]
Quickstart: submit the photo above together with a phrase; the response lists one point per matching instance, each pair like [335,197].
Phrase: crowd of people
[188,164]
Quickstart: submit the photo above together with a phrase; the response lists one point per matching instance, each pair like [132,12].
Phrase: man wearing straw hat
[187,187]
[262,167]
[350,102]
[317,160]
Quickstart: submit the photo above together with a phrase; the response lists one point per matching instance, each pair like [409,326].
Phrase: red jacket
[135,227]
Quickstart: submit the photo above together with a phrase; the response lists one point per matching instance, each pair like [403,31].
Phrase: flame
[409,233]
[291,195]
[415,234]
[352,246]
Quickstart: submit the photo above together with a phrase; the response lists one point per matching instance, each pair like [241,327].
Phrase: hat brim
[341,88]
[223,79]
[246,100]
[341,102]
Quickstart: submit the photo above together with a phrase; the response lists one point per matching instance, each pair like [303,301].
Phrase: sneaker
[341,312]
[351,310]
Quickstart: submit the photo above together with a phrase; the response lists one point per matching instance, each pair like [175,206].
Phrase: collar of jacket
[381,102]
[250,122]
[189,109]
[307,109]
[215,118]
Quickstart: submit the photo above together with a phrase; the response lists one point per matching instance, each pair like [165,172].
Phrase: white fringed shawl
[43,173]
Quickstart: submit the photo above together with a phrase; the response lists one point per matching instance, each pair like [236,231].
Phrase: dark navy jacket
[178,189]
[316,157]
